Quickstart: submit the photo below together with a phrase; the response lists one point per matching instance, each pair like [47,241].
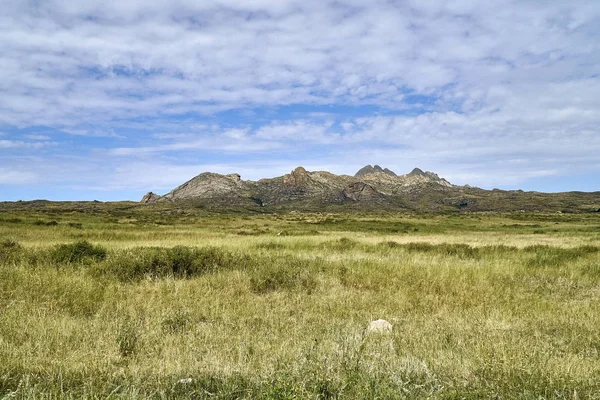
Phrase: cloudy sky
[108,99]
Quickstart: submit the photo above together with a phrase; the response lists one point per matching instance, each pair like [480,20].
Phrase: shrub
[342,244]
[390,244]
[293,274]
[271,246]
[39,222]
[186,261]
[9,245]
[547,256]
[459,250]
[10,250]
[178,262]
[77,252]
[12,220]
[419,247]
[497,249]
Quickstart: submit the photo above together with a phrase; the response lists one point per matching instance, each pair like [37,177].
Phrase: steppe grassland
[275,306]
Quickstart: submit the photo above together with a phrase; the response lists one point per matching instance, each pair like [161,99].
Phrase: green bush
[342,244]
[10,250]
[177,262]
[420,247]
[9,245]
[39,222]
[390,244]
[12,220]
[77,252]
[548,256]
[459,250]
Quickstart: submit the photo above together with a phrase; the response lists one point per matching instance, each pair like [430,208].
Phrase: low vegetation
[133,303]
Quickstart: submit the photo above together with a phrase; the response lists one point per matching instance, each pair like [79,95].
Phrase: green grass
[121,302]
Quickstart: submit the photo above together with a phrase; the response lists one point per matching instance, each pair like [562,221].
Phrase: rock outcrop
[208,185]
[371,184]
[360,191]
[368,169]
[379,326]
[298,177]
[150,198]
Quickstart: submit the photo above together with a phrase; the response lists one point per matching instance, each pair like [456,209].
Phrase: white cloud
[92,132]
[100,60]
[500,91]
[36,137]
[14,177]
[16,144]
[234,140]
[302,131]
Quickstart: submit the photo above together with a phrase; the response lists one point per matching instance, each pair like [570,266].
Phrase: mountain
[369,184]
[372,188]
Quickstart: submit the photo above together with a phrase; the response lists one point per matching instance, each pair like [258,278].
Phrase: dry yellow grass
[471,319]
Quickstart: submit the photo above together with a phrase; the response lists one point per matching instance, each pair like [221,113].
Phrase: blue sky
[110,99]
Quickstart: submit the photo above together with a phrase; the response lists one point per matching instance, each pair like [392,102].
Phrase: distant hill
[371,188]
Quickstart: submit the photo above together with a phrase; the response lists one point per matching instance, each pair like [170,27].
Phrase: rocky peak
[373,169]
[150,198]
[417,172]
[417,175]
[298,177]
[234,177]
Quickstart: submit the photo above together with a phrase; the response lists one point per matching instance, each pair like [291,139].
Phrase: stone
[379,326]
[150,198]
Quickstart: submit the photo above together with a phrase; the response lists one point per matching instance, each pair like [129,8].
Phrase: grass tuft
[77,252]
[10,250]
[177,322]
[283,274]
[128,338]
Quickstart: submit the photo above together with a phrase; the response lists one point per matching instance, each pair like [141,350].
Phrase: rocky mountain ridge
[372,188]
[370,184]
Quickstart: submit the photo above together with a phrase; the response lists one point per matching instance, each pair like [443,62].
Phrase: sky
[107,100]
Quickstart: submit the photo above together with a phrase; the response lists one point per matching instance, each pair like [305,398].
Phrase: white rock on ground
[379,326]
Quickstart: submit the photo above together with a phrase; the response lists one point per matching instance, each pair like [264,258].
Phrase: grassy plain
[125,301]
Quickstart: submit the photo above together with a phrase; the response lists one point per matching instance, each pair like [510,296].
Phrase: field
[124,301]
